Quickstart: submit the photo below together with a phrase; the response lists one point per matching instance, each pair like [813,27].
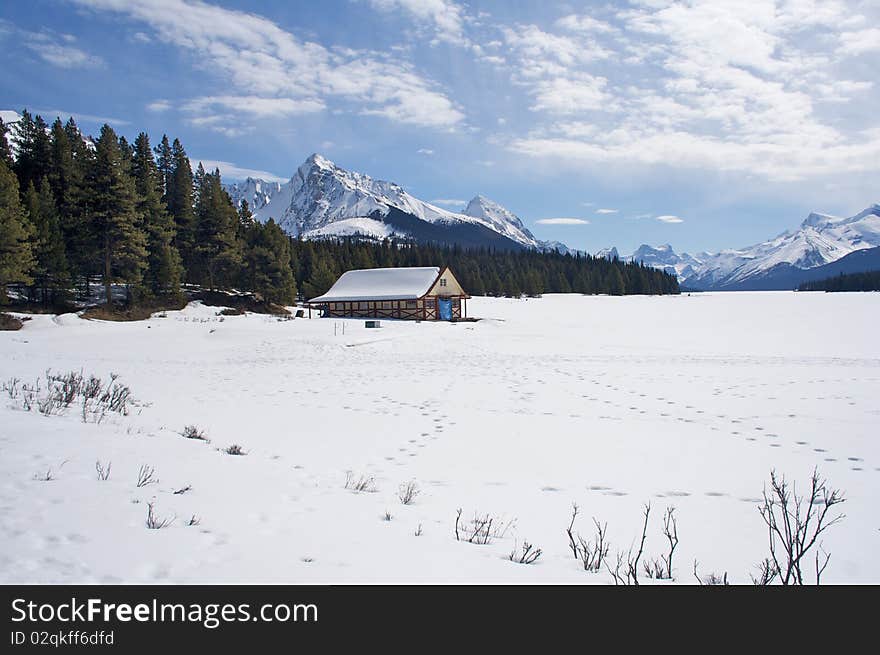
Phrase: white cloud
[50,114]
[425,151]
[584,23]
[233,172]
[254,105]
[606,211]
[562,221]
[722,85]
[445,17]
[860,41]
[159,106]
[669,218]
[259,59]
[449,202]
[57,49]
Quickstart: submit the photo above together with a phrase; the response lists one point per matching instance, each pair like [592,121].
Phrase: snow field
[608,402]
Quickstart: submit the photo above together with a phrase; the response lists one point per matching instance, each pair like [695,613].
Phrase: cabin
[425,293]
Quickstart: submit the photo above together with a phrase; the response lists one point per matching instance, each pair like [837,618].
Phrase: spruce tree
[321,279]
[70,162]
[5,150]
[165,166]
[51,274]
[163,261]
[34,151]
[16,257]
[180,204]
[267,261]
[113,210]
[216,257]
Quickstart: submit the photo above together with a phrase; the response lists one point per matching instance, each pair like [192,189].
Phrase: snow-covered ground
[608,402]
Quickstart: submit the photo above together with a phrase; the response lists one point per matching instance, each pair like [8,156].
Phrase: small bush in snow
[360,484]
[12,388]
[626,569]
[193,432]
[408,491]
[795,522]
[710,580]
[387,516]
[153,522]
[63,390]
[661,568]
[103,471]
[482,529]
[48,476]
[591,552]
[234,449]
[146,476]
[528,554]
[194,520]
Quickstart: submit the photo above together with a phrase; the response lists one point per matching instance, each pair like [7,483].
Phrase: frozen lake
[684,401]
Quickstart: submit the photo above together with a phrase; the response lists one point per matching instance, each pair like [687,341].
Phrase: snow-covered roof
[381,284]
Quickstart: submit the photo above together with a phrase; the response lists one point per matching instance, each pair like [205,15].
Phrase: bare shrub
[12,387]
[528,554]
[418,532]
[194,520]
[146,476]
[626,570]
[234,449]
[481,529]
[591,552]
[153,522]
[710,580]
[48,476]
[408,491]
[794,524]
[182,490]
[103,471]
[193,432]
[387,516]
[661,568]
[360,484]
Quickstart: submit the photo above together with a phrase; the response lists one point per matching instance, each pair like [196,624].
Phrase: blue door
[445,308]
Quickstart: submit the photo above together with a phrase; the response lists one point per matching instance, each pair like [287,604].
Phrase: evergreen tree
[113,210]
[51,274]
[216,257]
[70,162]
[614,284]
[267,262]
[34,152]
[16,257]
[5,150]
[179,198]
[320,280]
[163,261]
[165,166]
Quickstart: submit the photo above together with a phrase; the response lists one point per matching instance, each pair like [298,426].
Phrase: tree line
[74,210]
[869,281]
[317,265]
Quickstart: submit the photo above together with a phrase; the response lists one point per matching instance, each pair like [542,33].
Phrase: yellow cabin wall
[452,288]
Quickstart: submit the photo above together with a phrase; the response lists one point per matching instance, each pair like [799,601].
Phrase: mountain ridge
[819,240]
[323,200]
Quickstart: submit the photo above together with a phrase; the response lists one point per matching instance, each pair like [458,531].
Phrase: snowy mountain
[607,253]
[324,200]
[771,264]
[820,240]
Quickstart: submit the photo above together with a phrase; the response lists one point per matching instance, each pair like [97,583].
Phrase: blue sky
[704,124]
